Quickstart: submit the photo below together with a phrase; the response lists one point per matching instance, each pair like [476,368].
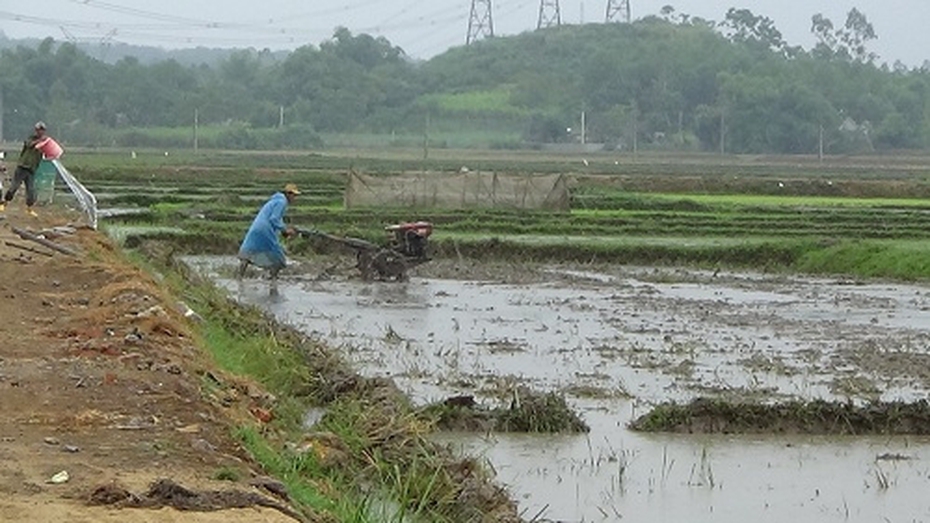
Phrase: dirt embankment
[100,378]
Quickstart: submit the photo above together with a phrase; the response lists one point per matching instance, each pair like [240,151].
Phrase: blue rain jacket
[261,245]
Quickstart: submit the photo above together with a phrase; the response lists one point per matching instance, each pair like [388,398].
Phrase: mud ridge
[717,416]
[166,493]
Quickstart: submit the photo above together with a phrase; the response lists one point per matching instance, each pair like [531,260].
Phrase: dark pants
[19,177]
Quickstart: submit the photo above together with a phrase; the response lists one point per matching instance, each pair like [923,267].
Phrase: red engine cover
[423,229]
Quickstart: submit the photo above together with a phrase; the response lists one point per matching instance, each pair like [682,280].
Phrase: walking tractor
[406,247]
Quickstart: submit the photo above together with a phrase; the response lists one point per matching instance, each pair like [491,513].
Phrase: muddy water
[620,340]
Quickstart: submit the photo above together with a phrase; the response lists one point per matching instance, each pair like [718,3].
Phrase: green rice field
[865,217]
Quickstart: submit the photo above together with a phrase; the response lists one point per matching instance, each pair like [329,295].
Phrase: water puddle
[312,417]
[620,342]
[121,212]
[119,233]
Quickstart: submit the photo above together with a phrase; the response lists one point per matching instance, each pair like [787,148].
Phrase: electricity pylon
[550,15]
[618,11]
[480,21]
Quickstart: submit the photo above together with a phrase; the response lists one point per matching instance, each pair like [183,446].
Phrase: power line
[141,13]
[421,22]
[162,23]
[406,9]
[425,42]
[327,12]
[282,30]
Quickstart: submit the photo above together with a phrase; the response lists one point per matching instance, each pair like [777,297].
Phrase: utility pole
[584,128]
[635,112]
[426,131]
[1,114]
[480,21]
[820,151]
[196,130]
[635,134]
[618,11]
[681,128]
[281,117]
[550,15]
[723,133]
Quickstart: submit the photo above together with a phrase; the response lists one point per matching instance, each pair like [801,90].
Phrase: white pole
[426,131]
[584,128]
[820,151]
[723,133]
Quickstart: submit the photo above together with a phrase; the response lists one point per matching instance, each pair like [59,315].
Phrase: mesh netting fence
[85,199]
[459,191]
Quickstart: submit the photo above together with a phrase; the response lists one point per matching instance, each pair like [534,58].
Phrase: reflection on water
[677,478]
[658,341]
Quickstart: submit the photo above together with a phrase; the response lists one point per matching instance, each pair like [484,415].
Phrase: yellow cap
[291,189]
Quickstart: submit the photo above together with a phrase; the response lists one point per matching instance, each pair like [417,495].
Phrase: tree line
[670,81]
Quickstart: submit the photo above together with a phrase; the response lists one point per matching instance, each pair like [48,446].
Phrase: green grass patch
[896,259]
[486,102]
[227,474]
[759,200]
[305,480]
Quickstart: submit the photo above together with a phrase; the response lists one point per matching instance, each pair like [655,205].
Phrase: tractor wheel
[390,265]
[365,262]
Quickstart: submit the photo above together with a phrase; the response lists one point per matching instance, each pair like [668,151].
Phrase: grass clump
[389,446]
[227,474]
[718,416]
[528,411]
[540,412]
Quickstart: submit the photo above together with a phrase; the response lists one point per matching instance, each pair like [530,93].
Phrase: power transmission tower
[480,22]
[550,15]
[68,36]
[618,11]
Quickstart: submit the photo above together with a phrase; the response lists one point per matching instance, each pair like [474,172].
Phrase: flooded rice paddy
[618,340]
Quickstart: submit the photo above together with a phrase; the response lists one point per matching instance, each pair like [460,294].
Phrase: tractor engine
[411,239]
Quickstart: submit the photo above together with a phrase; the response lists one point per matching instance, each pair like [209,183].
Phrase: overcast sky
[422,27]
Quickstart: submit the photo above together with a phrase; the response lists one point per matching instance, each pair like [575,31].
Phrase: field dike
[773,254]
[368,458]
[893,259]
[718,416]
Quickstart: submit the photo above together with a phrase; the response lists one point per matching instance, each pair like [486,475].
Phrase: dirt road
[99,377]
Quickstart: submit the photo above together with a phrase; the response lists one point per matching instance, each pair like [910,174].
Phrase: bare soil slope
[99,377]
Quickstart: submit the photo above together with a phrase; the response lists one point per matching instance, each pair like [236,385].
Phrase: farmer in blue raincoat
[262,246]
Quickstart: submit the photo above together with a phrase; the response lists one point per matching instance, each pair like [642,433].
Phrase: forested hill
[664,83]
[676,83]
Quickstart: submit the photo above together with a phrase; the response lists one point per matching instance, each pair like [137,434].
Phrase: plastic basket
[50,148]
[45,177]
